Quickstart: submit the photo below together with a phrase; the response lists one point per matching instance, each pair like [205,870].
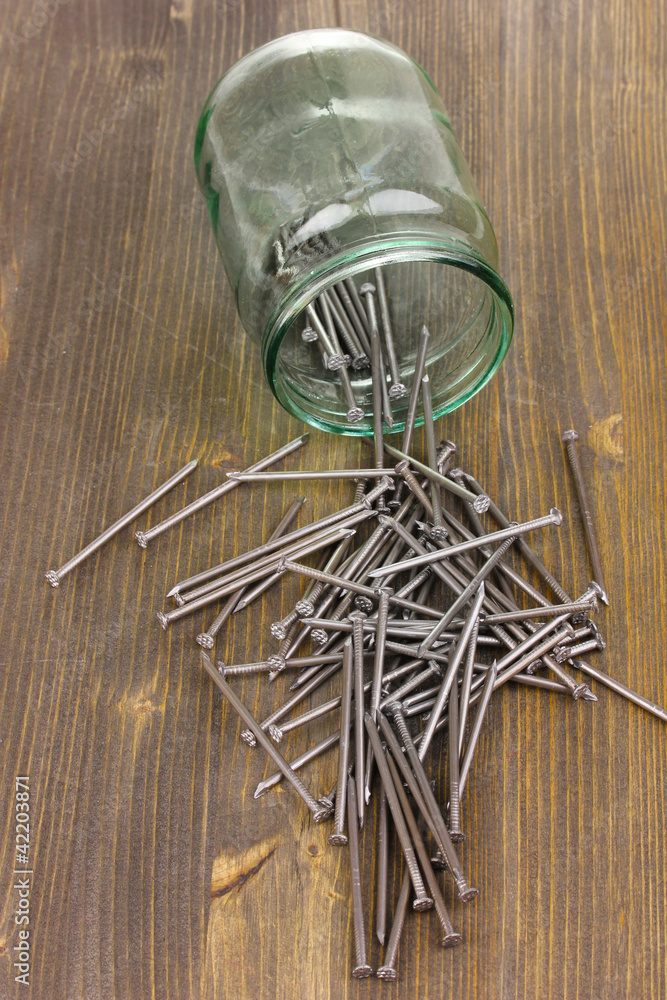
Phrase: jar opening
[460,298]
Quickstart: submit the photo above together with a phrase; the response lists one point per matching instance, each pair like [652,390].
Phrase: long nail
[408,775]
[368,290]
[625,692]
[333,357]
[144,537]
[355,314]
[438,530]
[397,389]
[305,758]
[382,868]
[54,576]
[357,618]
[357,588]
[451,938]
[479,503]
[359,307]
[570,439]
[466,594]
[338,836]
[262,738]
[420,367]
[279,477]
[522,544]
[388,968]
[455,831]
[464,698]
[464,891]
[346,329]
[377,375]
[209,597]
[422,901]
[554,517]
[487,691]
[361,969]
[267,548]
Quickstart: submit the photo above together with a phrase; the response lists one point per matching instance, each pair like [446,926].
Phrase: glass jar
[322,156]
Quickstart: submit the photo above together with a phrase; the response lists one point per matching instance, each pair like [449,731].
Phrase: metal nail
[554,517]
[397,388]
[377,375]
[466,594]
[355,315]
[144,537]
[420,368]
[487,691]
[388,968]
[54,576]
[455,658]
[480,503]
[279,477]
[455,831]
[464,891]
[622,689]
[305,758]
[346,330]
[361,969]
[167,618]
[368,290]
[422,900]
[262,738]
[523,546]
[267,548]
[570,439]
[332,355]
[382,868]
[438,530]
[450,938]
[338,836]
[357,618]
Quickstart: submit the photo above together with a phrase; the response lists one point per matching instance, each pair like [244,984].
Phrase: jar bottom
[470,326]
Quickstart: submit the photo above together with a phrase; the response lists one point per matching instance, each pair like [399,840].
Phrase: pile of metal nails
[408,664]
[343,325]
[415,626]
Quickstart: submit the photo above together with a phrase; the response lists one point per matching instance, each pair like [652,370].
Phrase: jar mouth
[478,317]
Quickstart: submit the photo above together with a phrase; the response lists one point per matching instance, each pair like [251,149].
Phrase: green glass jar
[324,155]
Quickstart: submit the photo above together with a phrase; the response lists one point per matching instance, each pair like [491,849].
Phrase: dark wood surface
[156,874]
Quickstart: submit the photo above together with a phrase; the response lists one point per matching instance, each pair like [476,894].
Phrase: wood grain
[156,873]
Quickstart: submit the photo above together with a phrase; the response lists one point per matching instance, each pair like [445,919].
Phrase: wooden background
[156,873]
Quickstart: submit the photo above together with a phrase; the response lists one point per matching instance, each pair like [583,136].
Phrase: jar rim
[363,257]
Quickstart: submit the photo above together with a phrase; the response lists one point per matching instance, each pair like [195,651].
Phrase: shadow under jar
[324,155]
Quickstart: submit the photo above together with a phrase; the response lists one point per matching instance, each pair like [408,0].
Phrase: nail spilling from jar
[352,331]
[412,616]
[415,614]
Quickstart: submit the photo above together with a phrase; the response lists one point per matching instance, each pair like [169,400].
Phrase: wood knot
[607,437]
